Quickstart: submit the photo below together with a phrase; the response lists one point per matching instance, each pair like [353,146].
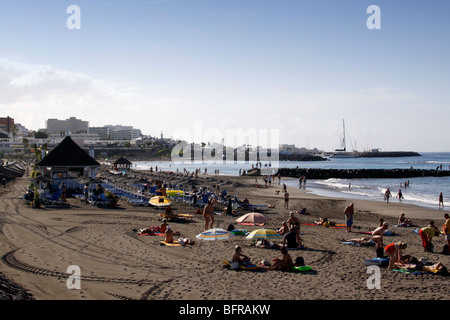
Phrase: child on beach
[238,256]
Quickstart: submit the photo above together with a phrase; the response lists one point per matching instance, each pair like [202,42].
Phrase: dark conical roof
[68,154]
[122,160]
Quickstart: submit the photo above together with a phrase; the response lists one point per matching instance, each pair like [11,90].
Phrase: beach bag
[234,265]
[299,261]
[445,249]
[380,252]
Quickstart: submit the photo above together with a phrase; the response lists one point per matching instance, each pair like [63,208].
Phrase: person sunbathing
[357,240]
[162,228]
[169,211]
[284,228]
[264,243]
[403,221]
[169,235]
[184,241]
[439,267]
[239,256]
[286,262]
[321,221]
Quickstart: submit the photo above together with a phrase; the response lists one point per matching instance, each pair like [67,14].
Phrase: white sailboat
[342,152]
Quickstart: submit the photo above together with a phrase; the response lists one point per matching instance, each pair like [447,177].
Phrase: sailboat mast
[343,139]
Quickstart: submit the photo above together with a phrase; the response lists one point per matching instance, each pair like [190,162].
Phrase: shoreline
[38,245]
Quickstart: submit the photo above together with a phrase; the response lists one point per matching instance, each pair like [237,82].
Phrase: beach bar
[67,163]
[122,165]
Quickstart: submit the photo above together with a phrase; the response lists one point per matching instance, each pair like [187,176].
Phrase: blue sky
[292,65]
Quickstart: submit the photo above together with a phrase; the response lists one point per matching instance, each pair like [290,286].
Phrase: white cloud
[389,118]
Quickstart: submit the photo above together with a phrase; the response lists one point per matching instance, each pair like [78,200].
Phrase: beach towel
[240,232]
[175,244]
[251,224]
[154,231]
[407,271]
[243,265]
[363,244]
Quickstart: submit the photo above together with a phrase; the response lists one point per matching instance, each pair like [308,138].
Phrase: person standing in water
[441,200]
[387,195]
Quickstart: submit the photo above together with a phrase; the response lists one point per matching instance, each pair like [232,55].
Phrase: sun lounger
[51,198]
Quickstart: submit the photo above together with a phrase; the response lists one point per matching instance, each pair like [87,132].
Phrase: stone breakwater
[360,173]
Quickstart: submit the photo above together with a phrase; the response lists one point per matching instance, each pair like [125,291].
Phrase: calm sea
[422,191]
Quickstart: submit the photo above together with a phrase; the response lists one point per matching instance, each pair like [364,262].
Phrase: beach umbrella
[214,235]
[253,217]
[262,233]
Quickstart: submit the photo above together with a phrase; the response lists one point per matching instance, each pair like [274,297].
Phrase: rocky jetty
[360,173]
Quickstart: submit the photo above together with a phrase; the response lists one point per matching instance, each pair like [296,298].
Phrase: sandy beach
[39,245]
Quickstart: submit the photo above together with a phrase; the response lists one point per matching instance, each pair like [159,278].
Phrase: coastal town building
[72,125]
[6,124]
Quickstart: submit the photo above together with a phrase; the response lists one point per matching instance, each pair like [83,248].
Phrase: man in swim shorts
[349,211]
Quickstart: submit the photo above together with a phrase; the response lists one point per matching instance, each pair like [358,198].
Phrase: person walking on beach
[400,195]
[441,200]
[286,200]
[349,212]
[387,195]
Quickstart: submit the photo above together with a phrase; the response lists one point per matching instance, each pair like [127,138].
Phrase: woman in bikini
[208,214]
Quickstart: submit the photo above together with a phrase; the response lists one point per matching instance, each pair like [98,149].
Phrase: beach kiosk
[67,162]
[122,165]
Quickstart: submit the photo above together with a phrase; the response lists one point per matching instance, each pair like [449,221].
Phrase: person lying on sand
[264,243]
[357,240]
[286,262]
[185,241]
[437,266]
